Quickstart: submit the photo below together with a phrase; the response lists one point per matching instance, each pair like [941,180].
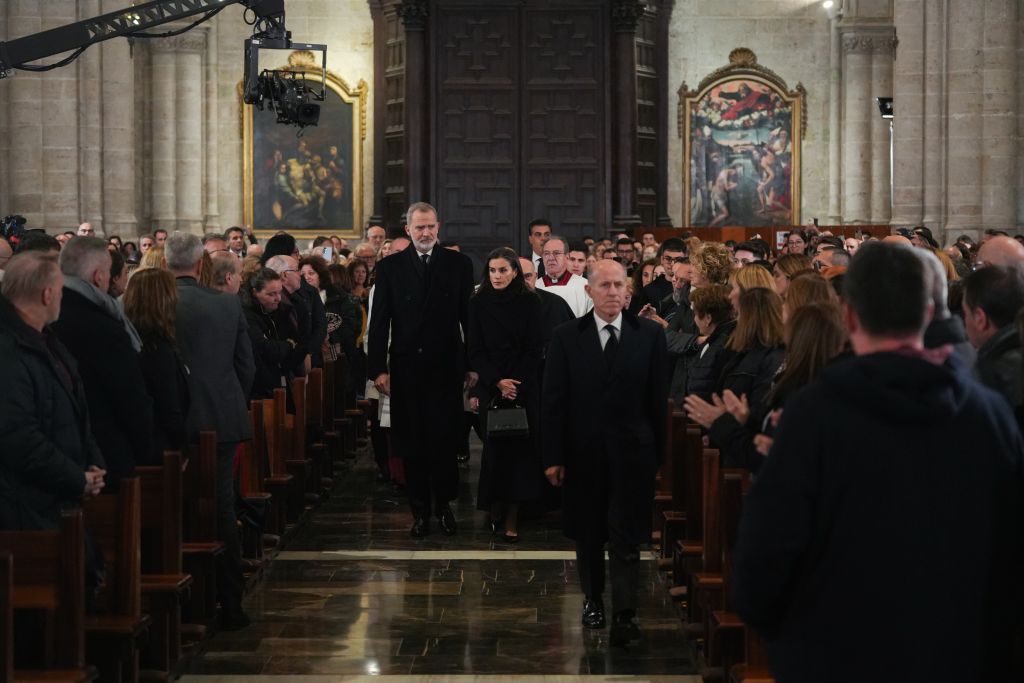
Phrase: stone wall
[144,134]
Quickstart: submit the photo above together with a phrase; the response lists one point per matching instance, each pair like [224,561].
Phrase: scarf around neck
[106,303]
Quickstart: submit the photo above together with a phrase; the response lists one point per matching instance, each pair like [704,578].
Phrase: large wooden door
[518,119]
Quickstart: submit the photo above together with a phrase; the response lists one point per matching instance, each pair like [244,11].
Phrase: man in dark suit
[605,392]
[93,328]
[214,341]
[421,298]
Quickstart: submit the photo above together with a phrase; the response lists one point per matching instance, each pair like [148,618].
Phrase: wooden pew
[316,427]
[683,438]
[113,632]
[251,469]
[277,484]
[311,455]
[201,550]
[279,456]
[164,583]
[332,437]
[345,413]
[45,573]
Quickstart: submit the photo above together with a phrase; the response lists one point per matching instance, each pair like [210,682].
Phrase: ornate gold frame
[305,61]
[743,66]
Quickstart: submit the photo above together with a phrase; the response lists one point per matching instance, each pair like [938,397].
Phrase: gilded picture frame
[742,129]
[308,183]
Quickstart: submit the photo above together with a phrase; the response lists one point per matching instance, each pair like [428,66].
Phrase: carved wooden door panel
[519,129]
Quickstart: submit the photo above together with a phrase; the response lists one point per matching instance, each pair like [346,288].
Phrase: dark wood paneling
[395,199]
[648,103]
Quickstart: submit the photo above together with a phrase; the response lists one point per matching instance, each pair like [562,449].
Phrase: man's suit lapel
[590,345]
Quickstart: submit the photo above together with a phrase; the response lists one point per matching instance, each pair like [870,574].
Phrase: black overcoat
[589,410]
[426,312]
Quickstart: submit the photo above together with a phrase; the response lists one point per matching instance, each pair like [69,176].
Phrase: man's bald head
[529,272]
[1001,251]
[606,268]
[897,239]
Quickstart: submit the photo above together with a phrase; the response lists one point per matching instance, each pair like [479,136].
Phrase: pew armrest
[165,583]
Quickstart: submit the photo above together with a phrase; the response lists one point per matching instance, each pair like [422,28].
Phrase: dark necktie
[540,267]
[426,259]
[611,347]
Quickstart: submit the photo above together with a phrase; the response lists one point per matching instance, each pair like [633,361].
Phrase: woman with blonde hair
[786,269]
[807,288]
[150,301]
[712,263]
[748,277]
[153,258]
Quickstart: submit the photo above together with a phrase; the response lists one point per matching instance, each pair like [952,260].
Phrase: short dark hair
[37,240]
[754,248]
[538,221]
[997,290]
[259,278]
[159,230]
[672,244]
[212,237]
[577,246]
[234,228]
[887,287]
[320,239]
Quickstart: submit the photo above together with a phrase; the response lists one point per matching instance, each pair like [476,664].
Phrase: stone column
[835,107]
[881,131]
[965,97]
[5,93]
[625,15]
[859,107]
[24,94]
[89,69]
[164,130]
[59,119]
[417,119]
[211,222]
[999,79]
[189,165]
[930,149]
[908,129]
[118,104]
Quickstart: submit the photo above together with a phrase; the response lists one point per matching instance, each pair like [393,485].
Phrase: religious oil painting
[307,182]
[741,132]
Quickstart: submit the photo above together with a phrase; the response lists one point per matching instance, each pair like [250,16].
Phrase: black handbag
[507,423]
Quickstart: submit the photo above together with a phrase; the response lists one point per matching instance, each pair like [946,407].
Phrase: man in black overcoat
[603,436]
[421,299]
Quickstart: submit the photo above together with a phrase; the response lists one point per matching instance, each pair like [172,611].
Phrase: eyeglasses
[552,253]
[289,270]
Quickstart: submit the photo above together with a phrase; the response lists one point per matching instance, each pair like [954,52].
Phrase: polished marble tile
[353,598]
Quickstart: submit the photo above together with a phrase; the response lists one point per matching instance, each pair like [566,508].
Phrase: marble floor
[354,598]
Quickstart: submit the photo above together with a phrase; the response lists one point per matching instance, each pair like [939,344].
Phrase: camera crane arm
[17,53]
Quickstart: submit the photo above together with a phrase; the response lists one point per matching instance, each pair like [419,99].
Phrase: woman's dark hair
[340,276]
[319,266]
[712,300]
[116,265]
[259,279]
[815,334]
[638,274]
[759,322]
[517,285]
[149,302]
[354,265]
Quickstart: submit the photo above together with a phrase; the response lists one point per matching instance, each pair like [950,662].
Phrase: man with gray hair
[226,272]
[48,457]
[944,328]
[213,338]
[93,327]
[557,278]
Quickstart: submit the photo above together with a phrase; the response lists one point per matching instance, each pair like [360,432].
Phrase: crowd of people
[872,386]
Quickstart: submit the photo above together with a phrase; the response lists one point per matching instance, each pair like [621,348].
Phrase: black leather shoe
[420,528]
[624,629]
[593,614]
[447,521]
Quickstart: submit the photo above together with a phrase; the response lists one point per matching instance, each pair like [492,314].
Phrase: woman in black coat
[149,302]
[715,319]
[344,317]
[275,354]
[506,348]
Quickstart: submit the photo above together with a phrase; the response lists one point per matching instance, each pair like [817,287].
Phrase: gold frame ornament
[304,61]
[742,129]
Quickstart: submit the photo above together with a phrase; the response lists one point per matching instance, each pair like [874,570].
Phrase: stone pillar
[417,114]
[835,107]
[23,94]
[965,97]
[211,221]
[5,93]
[118,104]
[189,167]
[859,107]
[881,131]
[89,69]
[164,140]
[908,129]
[59,119]
[625,15]
[999,108]
[930,150]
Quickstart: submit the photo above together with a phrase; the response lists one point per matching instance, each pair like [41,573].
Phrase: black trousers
[431,480]
[230,583]
[624,563]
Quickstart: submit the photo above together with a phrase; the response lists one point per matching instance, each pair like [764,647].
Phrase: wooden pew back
[52,563]
[162,490]
[114,521]
[6,616]
[200,490]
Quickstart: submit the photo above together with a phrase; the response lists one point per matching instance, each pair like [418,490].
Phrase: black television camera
[12,229]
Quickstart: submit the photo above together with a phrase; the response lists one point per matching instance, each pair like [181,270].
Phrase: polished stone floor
[354,598]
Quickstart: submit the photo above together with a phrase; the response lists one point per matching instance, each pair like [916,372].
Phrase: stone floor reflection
[353,596]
